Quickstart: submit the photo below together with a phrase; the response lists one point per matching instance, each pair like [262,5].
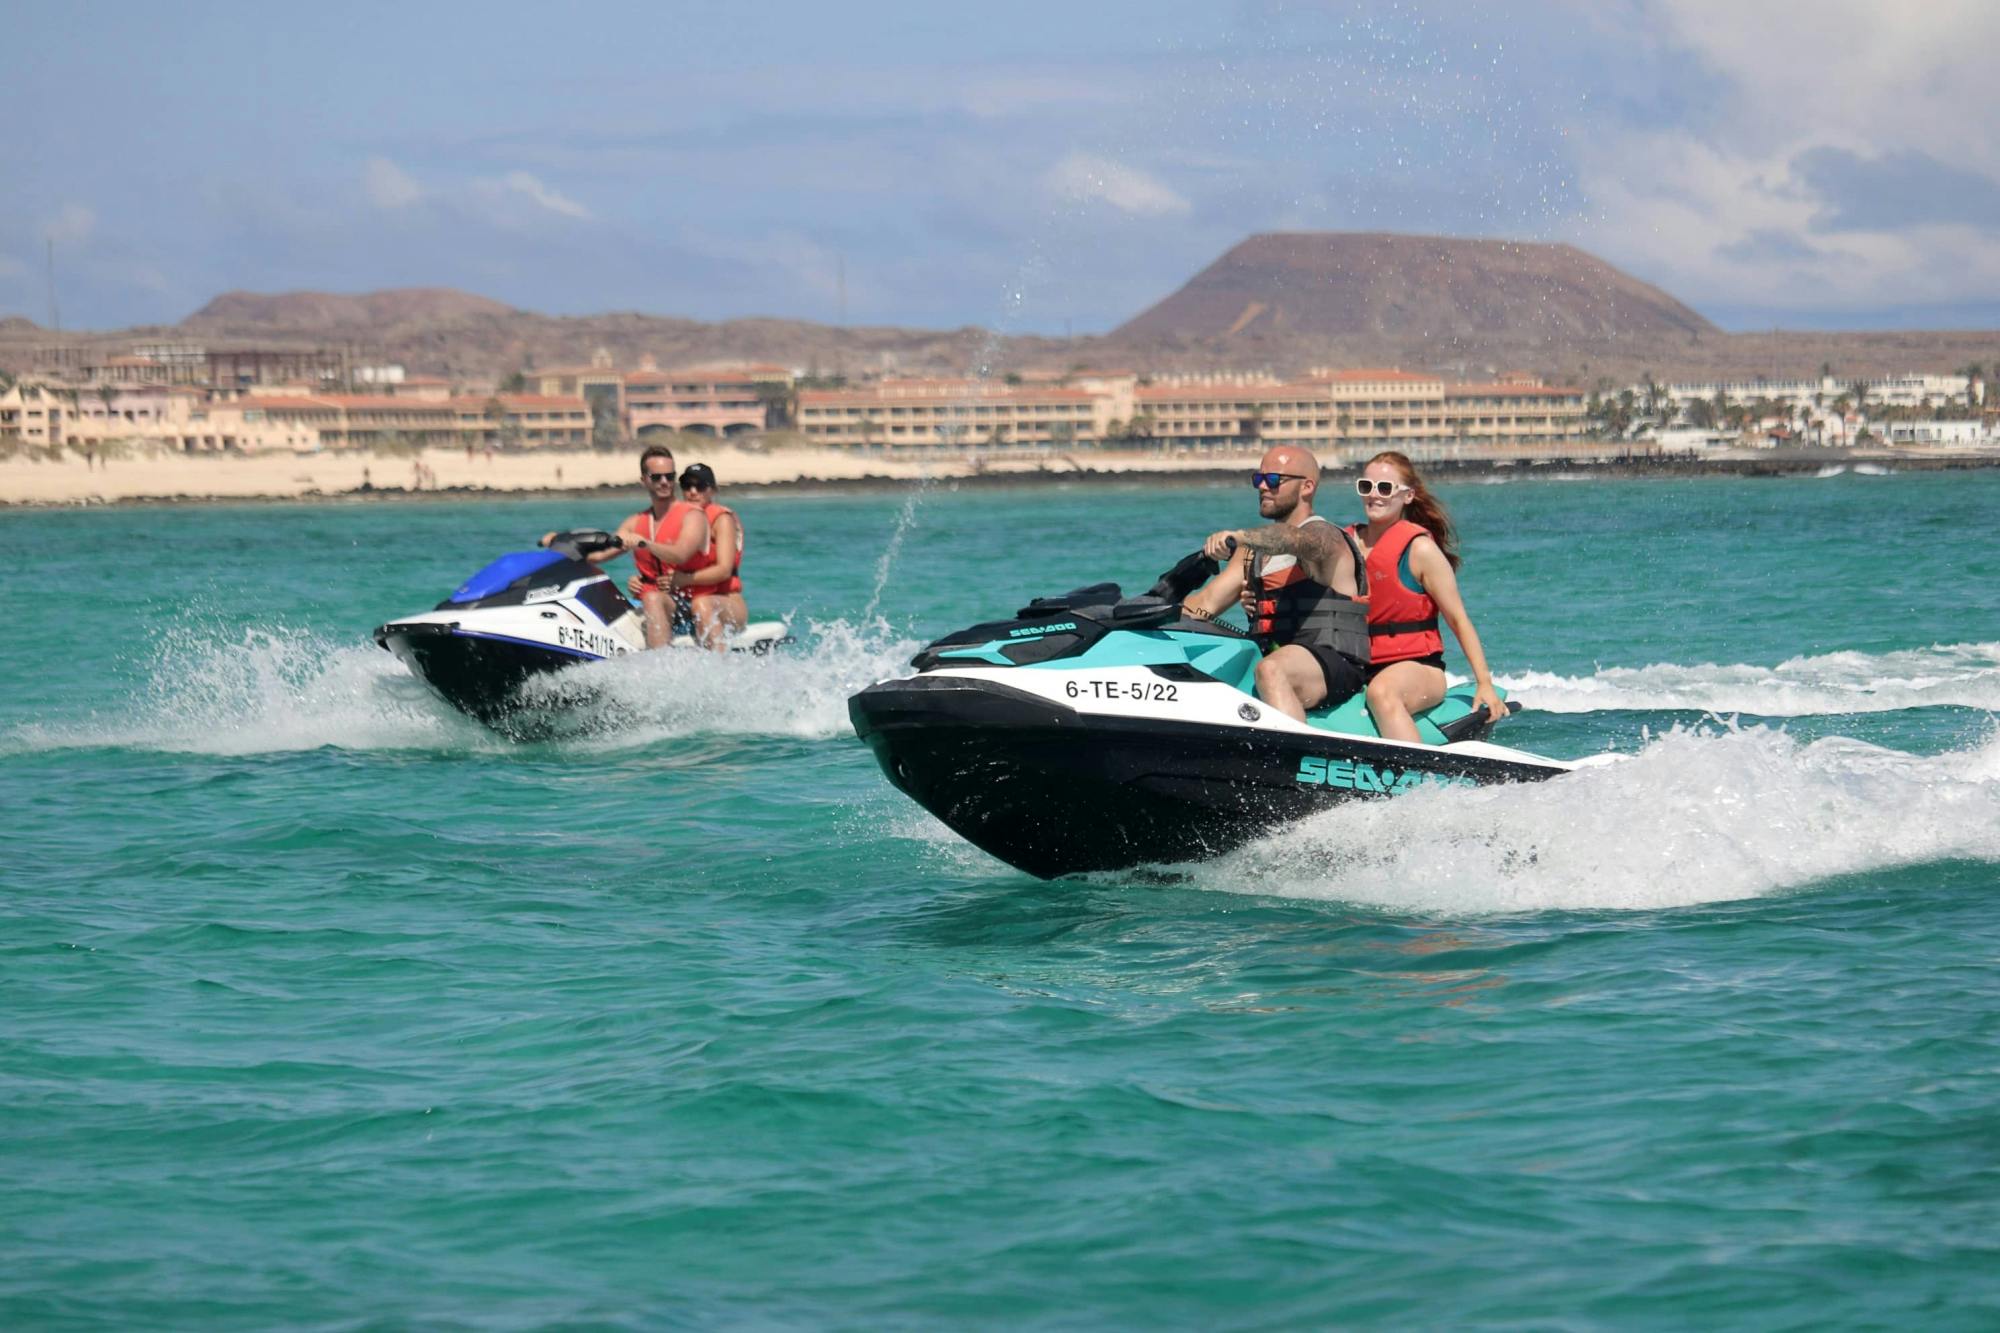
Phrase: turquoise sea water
[322,1007]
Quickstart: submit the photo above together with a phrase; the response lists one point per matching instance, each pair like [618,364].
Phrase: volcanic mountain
[1398,293]
[1280,301]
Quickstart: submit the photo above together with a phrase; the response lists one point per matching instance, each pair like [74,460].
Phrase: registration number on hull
[1128,691]
[589,641]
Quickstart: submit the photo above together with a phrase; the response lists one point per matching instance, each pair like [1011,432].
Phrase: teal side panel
[1351,718]
[1231,661]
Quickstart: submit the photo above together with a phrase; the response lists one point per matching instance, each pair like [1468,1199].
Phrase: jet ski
[1095,731]
[525,615]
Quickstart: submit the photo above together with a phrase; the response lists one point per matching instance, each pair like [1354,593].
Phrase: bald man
[1296,580]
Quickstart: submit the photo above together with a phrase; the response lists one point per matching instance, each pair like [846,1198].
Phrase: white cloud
[388,186]
[1726,208]
[1084,178]
[522,182]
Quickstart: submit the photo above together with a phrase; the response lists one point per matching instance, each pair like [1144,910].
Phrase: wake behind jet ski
[1095,731]
[525,615]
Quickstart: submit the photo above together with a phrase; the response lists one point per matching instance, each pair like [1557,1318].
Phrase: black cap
[698,474]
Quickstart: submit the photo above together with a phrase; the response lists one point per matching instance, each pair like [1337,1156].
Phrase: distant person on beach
[1296,580]
[1411,554]
[712,579]
[659,537]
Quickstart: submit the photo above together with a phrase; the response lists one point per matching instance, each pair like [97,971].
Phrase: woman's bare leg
[710,624]
[1400,690]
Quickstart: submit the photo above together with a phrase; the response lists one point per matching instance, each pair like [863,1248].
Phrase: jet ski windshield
[516,567]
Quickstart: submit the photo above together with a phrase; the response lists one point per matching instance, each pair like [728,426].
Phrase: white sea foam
[800,690]
[1698,816]
[211,690]
[1966,675]
[215,690]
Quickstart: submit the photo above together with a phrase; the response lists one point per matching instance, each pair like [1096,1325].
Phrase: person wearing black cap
[713,579]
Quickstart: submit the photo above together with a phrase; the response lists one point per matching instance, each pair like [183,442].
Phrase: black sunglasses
[1271,481]
[659,476]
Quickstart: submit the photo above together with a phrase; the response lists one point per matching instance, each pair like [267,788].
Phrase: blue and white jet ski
[1096,731]
[525,615]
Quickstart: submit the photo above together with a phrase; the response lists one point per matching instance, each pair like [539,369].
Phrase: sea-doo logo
[1032,630]
[1352,776]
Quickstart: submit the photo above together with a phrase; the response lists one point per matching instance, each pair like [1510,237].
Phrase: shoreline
[173,479]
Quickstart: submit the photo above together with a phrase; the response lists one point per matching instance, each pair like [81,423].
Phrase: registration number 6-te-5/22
[1134,691]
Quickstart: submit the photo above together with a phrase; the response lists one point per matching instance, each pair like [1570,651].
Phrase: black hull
[1054,793]
[480,677]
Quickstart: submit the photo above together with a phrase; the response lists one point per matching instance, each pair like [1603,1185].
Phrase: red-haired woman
[1412,556]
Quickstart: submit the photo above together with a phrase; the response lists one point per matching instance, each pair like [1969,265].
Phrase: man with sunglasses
[1296,581]
[659,537]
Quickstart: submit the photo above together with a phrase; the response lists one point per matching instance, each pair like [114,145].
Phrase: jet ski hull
[1054,790]
[478,674]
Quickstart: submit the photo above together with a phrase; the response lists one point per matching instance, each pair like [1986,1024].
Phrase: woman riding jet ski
[526,614]
[1096,731]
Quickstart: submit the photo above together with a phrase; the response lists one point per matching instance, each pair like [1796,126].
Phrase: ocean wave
[1700,815]
[1964,675]
[230,691]
[798,691]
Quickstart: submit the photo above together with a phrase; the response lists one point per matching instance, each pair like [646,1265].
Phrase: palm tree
[781,404]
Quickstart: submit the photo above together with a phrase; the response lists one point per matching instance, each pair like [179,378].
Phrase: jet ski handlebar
[582,542]
[1192,571]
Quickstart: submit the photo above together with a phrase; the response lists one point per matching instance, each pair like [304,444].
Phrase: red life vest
[1401,624]
[664,530]
[705,557]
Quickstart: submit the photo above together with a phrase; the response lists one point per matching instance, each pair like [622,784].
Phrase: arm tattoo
[1313,543]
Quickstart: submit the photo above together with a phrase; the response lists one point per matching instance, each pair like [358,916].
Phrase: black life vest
[1292,608]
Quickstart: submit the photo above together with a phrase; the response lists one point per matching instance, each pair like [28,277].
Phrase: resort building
[706,400]
[507,420]
[902,413]
[1912,389]
[190,421]
[1382,408]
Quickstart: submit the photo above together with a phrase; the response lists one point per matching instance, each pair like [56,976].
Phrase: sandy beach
[361,475]
[73,481]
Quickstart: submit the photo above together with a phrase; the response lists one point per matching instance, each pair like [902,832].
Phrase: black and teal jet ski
[1095,731]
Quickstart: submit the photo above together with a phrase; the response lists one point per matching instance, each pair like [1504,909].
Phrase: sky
[1027,166]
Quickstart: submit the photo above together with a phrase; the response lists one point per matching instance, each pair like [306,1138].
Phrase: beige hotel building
[1323,409]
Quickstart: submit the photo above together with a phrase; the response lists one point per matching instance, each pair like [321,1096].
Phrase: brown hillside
[331,314]
[1276,302]
[1335,286]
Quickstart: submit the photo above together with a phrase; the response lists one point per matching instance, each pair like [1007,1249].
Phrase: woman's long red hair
[1423,509]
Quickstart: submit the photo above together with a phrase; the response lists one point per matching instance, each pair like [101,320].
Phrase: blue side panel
[496,576]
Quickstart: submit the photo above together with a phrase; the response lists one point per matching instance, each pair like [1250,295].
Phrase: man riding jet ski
[526,614]
[1096,731]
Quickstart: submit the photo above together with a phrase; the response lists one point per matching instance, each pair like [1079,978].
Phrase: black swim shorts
[1343,678]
